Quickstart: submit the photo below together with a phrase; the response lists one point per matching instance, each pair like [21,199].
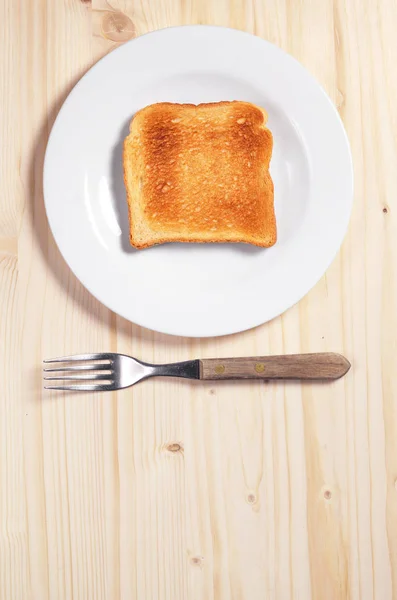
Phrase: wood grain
[322,365]
[173,490]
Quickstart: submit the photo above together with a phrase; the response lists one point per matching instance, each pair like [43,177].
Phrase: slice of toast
[199,174]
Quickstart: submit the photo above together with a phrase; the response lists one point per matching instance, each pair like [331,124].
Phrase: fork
[110,371]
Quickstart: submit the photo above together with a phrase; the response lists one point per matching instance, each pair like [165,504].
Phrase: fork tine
[81,357]
[99,376]
[82,388]
[93,367]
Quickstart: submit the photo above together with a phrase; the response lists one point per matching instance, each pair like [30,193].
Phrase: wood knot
[385,210]
[328,494]
[197,561]
[251,498]
[117,27]
[174,447]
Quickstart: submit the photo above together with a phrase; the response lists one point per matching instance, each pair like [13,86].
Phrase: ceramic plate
[193,289]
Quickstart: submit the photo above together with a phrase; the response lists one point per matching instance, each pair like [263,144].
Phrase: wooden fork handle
[323,366]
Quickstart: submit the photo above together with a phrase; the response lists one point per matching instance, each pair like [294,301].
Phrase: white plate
[189,289]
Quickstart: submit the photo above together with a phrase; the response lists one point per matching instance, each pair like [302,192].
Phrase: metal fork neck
[189,369]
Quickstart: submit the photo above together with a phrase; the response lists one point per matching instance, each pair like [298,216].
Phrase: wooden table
[178,491]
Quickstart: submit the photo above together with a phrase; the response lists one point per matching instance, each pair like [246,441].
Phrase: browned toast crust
[199,174]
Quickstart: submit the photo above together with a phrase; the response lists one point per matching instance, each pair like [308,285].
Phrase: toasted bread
[199,174]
